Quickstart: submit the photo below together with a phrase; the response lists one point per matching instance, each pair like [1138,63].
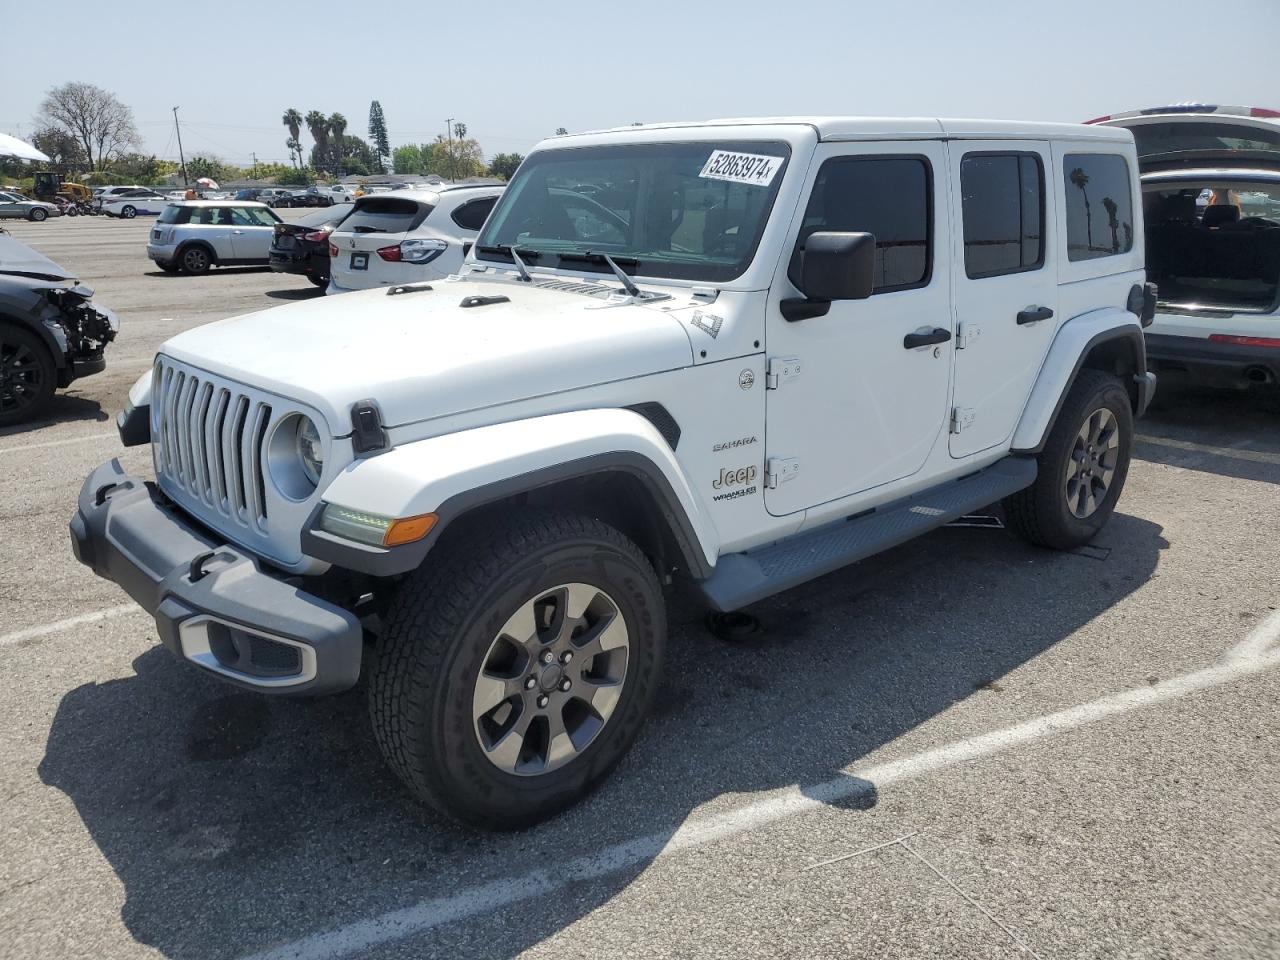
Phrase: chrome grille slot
[210,440]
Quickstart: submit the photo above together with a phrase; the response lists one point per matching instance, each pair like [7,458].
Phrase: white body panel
[472,395]
[419,477]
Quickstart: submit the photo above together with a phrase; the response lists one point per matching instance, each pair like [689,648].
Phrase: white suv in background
[194,235]
[405,236]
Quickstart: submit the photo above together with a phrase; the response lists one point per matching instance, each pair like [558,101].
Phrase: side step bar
[743,578]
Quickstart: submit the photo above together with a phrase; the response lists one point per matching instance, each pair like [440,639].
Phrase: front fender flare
[455,473]
[1066,357]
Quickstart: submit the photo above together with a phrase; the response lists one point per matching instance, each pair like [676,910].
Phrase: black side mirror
[833,266]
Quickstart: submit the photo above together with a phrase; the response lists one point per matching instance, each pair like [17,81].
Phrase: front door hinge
[961,417]
[780,370]
[966,333]
[779,470]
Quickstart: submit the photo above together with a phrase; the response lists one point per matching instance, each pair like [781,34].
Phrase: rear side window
[471,216]
[174,214]
[1003,210]
[885,196]
[1099,205]
[386,215]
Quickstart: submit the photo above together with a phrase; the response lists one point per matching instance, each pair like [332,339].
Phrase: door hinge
[961,417]
[779,470]
[966,334]
[780,370]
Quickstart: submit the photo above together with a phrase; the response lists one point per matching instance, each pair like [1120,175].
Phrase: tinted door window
[1099,205]
[1003,209]
[885,196]
[471,216]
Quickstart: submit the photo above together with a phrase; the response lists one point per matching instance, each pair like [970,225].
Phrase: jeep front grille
[208,438]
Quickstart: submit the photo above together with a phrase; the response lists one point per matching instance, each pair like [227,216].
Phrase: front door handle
[1033,315]
[936,335]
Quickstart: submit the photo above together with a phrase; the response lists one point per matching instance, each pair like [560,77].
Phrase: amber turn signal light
[408,530]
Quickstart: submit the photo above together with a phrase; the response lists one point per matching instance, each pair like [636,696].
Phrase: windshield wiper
[515,253]
[627,283]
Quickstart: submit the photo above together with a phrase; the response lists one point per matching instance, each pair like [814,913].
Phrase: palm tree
[338,126]
[1081,180]
[293,120]
[1113,222]
[318,124]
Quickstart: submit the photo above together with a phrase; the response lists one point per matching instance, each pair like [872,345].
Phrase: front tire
[37,214]
[27,375]
[1082,467]
[517,666]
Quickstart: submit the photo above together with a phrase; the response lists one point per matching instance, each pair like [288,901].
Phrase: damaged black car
[51,331]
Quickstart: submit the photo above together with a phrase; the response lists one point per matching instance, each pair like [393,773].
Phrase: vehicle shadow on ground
[1244,422]
[62,408]
[236,823]
[179,275]
[309,292]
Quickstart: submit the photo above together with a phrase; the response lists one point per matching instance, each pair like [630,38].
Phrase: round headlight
[310,450]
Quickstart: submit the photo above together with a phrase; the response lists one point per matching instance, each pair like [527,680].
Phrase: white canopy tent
[13,147]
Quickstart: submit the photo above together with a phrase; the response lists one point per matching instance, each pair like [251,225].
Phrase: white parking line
[1256,456]
[1252,656]
[59,443]
[44,629]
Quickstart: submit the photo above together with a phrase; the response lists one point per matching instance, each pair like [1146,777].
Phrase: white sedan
[135,203]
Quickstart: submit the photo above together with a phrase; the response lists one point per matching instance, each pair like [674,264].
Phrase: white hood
[421,355]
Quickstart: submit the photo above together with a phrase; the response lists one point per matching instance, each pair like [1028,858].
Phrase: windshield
[691,211]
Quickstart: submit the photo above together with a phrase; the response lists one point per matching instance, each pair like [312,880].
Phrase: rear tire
[27,375]
[195,260]
[1083,467]
[169,267]
[320,282]
[481,615]
[128,212]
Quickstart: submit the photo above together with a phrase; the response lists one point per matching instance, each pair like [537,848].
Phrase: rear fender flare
[1066,357]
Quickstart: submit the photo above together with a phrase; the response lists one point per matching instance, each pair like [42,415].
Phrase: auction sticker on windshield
[749,168]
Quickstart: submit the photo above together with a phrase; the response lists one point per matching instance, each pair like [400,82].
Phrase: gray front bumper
[212,602]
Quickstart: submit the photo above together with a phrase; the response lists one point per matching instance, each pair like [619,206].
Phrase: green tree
[293,120]
[101,123]
[338,128]
[407,159]
[203,165]
[454,159]
[561,132]
[62,148]
[504,165]
[318,126]
[296,177]
[378,135]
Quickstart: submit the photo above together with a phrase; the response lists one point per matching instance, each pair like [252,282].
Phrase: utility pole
[448,132]
[255,164]
[181,159]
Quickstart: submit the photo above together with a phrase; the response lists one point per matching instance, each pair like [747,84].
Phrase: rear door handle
[936,335]
[1033,315]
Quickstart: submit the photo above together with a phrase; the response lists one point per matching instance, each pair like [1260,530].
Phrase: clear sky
[513,72]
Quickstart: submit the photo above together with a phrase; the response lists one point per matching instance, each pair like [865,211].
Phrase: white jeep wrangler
[738,354]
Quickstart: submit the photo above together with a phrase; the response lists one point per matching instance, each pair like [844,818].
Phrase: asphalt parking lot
[964,748]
